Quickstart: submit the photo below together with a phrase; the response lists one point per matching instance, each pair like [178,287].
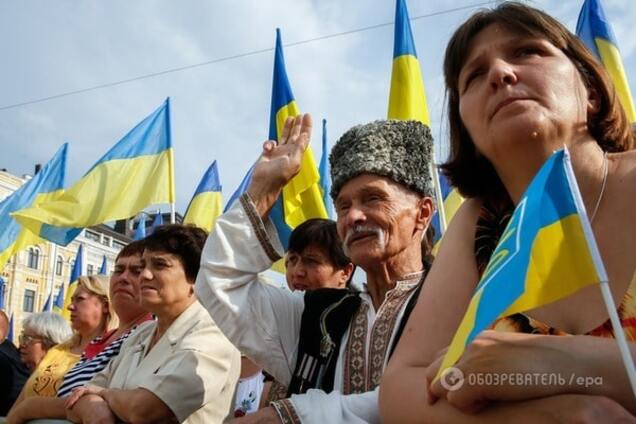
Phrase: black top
[13,375]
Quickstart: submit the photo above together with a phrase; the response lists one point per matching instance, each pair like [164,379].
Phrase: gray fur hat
[399,150]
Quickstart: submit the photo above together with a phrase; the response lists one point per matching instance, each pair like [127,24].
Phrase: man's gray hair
[51,326]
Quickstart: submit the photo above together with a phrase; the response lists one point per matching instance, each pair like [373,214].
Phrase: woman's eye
[528,51]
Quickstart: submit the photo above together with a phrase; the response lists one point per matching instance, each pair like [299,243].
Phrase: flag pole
[619,334]
[440,199]
[173,219]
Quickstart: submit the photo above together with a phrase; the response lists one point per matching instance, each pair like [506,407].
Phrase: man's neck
[385,275]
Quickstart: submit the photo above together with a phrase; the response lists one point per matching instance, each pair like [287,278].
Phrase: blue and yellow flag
[407,100]
[138,171]
[140,231]
[546,252]
[44,186]
[451,201]
[325,176]
[58,305]
[301,198]
[103,268]
[76,272]
[2,283]
[47,304]
[242,188]
[596,32]
[206,204]
[156,222]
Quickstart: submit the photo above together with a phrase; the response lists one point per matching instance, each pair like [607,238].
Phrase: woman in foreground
[520,87]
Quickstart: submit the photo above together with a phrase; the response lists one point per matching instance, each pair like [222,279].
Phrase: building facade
[41,270]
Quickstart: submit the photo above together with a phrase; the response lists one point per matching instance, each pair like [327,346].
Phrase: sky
[338,56]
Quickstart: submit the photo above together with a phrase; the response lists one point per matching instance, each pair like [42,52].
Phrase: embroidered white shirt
[263,319]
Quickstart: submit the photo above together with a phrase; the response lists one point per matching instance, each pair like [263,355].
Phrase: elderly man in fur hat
[328,346]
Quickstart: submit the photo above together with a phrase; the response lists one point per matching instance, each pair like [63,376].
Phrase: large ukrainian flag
[596,32]
[407,100]
[138,171]
[301,198]
[44,186]
[207,203]
[546,252]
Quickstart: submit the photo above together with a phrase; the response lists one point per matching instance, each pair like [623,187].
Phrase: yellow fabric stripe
[458,344]
[112,190]
[301,196]
[611,59]
[407,98]
[26,238]
[70,291]
[559,265]
[204,210]
[451,205]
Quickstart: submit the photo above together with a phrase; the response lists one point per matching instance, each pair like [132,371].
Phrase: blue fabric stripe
[281,90]
[593,24]
[403,36]
[150,137]
[210,181]
[50,178]
[548,199]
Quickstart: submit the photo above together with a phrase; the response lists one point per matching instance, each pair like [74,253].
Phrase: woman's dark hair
[135,248]
[321,233]
[183,241]
[472,173]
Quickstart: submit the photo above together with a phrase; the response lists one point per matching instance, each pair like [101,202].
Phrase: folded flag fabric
[301,198]
[138,171]
[596,32]
[206,204]
[546,252]
[45,185]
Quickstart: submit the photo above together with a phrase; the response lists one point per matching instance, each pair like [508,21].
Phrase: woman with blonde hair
[91,316]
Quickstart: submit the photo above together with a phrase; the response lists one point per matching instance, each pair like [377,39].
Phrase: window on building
[91,235]
[118,245]
[59,264]
[34,258]
[106,241]
[89,269]
[29,300]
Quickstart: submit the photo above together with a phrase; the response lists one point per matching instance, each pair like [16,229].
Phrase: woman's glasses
[26,340]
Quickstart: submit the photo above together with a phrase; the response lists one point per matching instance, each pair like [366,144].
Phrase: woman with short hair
[40,332]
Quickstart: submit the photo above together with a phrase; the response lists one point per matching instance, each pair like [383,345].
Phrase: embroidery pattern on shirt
[257,225]
[383,328]
[355,364]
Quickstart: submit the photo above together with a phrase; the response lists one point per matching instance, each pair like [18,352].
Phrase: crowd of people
[190,329]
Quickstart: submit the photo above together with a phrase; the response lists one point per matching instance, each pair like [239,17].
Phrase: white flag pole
[619,334]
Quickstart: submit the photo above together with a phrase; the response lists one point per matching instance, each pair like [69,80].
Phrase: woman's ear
[346,273]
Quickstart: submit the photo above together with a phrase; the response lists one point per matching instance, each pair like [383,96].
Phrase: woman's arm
[35,407]
[445,295]
[511,366]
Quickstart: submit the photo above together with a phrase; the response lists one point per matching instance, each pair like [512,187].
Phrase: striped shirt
[86,368]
